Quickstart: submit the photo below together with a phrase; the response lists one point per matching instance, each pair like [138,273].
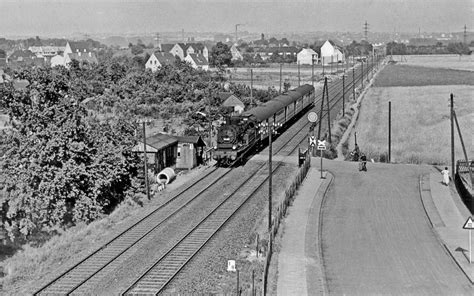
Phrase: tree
[63,166]
[220,55]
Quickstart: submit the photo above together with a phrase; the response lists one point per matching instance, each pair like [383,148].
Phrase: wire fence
[281,213]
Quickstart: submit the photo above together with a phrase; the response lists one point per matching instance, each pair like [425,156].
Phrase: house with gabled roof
[159,59]
[179,50]
[331,53]
[77,46]
[198,48]
[66,58]
[230,100]
[236,55]
[307,56]
[197,61]
[24,57]
[166,47]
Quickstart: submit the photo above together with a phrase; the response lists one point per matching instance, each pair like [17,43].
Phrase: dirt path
[377,239]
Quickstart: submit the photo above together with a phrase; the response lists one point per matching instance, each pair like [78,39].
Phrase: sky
[63,17]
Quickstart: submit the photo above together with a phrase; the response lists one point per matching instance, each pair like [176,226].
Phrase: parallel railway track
[71,280]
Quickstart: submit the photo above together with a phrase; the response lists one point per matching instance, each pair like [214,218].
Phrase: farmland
[455,62]
[265,77]
[420,114]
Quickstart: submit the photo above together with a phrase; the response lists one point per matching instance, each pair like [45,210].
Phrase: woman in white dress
[445,174]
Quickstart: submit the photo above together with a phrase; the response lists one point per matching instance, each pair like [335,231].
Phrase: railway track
[81,274]
[77,275]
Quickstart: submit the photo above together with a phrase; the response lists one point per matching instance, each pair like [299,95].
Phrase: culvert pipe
[166,176]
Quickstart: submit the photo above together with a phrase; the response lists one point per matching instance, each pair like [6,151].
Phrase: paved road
[376,238]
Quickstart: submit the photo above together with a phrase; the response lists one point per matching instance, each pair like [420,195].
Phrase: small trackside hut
[161,150]
[190,152]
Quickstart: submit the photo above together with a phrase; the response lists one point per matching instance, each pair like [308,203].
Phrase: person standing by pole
[445,174]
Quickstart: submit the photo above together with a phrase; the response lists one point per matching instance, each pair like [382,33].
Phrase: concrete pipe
[166,176]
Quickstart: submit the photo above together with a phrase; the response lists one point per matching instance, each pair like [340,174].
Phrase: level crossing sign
[322,145]
[312,141]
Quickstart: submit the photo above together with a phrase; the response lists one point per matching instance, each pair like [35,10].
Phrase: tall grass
[420,123]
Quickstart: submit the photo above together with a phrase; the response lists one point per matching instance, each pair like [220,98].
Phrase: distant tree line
[438,48]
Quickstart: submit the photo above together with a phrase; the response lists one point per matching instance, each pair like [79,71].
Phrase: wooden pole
[452,133]
[389,131]
[145,160]
[270,132]
[251,87]
[280,76]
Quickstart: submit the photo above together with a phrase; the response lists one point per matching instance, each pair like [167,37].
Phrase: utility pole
[281,65]
[312,72]
[389,131]
[353,83]
[145,157]
[343,93]
[251,88]
[452,133]
[299,77]
[465,34]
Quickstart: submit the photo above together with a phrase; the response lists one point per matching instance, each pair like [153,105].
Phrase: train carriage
[240,134]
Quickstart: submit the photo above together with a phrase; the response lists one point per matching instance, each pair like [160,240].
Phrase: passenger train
[240,135]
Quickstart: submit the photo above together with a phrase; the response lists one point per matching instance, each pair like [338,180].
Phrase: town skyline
[65,17]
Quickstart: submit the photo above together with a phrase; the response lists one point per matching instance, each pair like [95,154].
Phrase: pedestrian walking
[445,174]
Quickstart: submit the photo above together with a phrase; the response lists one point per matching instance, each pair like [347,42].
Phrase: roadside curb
[436,222]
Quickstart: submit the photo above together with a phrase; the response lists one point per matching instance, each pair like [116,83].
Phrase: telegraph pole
[353,83]
[299,77]
[281,65]
[251,87]
[145,157]
[452,133]
[389,131]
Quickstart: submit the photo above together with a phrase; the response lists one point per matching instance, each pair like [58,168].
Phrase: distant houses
[331,53]
[197,61]
[307,56]
[78,51]
[159,59]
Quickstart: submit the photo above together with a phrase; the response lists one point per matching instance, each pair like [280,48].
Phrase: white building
[306,56]
[197,61]
[331,53]
[236,55]
[158,60]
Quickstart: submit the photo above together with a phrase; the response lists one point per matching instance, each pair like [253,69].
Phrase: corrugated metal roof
[159,141]
[196,140]
[266,110]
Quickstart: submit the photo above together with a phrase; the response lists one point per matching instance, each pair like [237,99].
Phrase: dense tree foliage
[220,55]
[60,165]
[67,158]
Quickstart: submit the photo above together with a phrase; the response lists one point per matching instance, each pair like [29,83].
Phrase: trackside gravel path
[376,238]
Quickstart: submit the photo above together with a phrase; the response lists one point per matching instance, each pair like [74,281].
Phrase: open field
[456,62]
[265,77]
[420,123]
[405,75]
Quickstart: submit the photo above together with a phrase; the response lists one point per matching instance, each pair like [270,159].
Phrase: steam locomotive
[240,135]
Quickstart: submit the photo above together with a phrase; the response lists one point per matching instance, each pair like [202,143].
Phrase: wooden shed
[190,152]
[161,151]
